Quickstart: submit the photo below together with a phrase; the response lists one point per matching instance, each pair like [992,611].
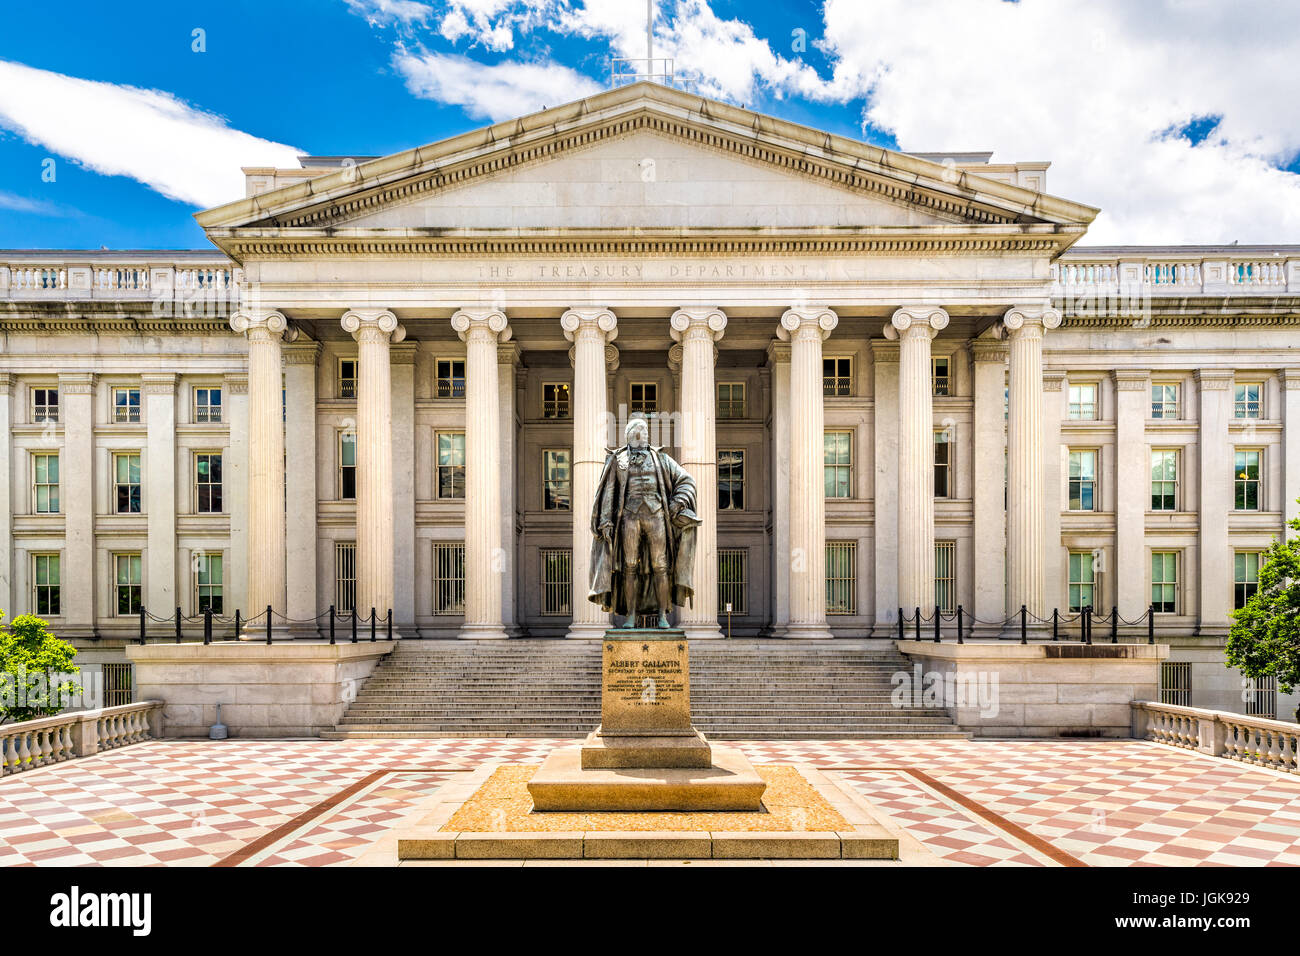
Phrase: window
[45,584]
[731,399]
[117,684]
[345,576]
[347,465]
[1245,401]
[837,376]
[555,399]
[208,580]
[1164,480]
[1245,474]
[127,569]
[45,405]
[557,477]
[557,582]
[448,579]
[1083,580]
[451,465]
[1083,480]
[839,464]
[1164,401]
[643,397]
[1083,402]
[45,484]
[1261,697]
[733,585]
[451,378]
[1176,683]
[207,484]
[841,577]
[731,479]
[126,478]
[1164,581]
[207,406]
[940,366]
[126,405]
[1245,577]
[945,576]
[942,464]
[347,378]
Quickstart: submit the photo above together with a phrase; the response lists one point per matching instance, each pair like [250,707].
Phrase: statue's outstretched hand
[607,533]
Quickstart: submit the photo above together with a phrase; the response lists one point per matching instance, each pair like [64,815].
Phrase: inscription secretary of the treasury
[643,524]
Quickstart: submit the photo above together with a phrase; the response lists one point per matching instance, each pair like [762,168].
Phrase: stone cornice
[1289,317]
[1131,379]
[158,383]
[1053,379]
[778,351]
[985,350]
[402,353]
[77,383]
[1214,378]
[884,351]
[1290,378]
[302,353]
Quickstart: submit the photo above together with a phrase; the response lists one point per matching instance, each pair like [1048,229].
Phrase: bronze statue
[643,523]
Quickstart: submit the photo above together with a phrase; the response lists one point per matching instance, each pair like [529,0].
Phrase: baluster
[1274,748]
[24,751]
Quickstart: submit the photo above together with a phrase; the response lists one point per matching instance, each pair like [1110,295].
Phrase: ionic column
[374,330]
[915,326]
[482,331]
[696,330]
[1026,492]
[591,331]
[805,329]
[264,330]
[778,360]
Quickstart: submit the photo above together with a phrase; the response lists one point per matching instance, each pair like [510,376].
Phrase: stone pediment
[643,160]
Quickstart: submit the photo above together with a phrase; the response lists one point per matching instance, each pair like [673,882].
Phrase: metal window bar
[557,582]
[345,576]
[448,579]
[118,688]
[1261,698]
[841,577]
[1176,683]
[733,580]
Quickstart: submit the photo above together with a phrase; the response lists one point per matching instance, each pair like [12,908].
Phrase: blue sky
[114,129]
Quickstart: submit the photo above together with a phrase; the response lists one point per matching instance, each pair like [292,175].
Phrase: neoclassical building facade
[898,381]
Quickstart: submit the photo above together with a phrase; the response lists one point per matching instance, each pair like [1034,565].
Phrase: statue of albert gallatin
[643,523]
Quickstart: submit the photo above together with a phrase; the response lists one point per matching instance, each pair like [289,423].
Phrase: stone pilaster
[374,330]
[778,361]
[1216,489]
[696,329]
[1290,382]
[482,331]
[805,328]
[6,496]
[592,332]
[266,492]
[1026,494]
[300,476]
[160,557]
[990,527]
[885,532]
[234,393]
[1054,557]
[508,355]
[1132,491]
[402,359]
[915,326]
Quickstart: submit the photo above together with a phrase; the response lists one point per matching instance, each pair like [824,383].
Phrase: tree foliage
[1265,636]
[35,670]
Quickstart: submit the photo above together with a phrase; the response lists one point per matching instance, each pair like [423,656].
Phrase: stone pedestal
[646,755]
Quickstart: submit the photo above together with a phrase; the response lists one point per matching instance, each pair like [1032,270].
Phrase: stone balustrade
[1253,740]
[50,740]
[1229,270]
[180,276]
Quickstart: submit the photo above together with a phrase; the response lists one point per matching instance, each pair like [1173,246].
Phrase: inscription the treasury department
[644,271]
[643,527]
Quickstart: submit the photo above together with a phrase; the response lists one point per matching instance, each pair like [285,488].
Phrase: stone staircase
[755,689]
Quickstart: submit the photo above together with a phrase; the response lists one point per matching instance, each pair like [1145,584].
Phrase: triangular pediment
[643,157]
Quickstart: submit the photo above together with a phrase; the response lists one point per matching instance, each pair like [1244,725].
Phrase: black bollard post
[1114,625]
[268,624]
[239,623]
[207,625]
[1056,622]
[331,623]
[960,621]
[901,635]
[354,623]
[1151,623]
[390,623]
[372,625]
[1087,624]
[141,624]
[1024,624]
[918,623]
[937,618]
[178,625]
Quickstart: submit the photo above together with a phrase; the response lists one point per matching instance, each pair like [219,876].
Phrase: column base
[702,632]
[808,632]
[586,631]
[483,632]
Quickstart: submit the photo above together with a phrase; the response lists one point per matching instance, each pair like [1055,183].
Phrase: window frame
[1082,481]
[202,414]
[133,606]
[635,406]
[438,466]
[41,412]
[1241,406]
[548,482]
[51,487]
[215,589]
[119,485]
[840,385]
[347,437]
[117,408]
[214,487]
[938,390]
[1163,402]
[1244,484]
[562,410]
[1175,481]
[1075,407]
[451,389]
[54,590]
[946,466]
[732,481]
[837,465]
[1173,584]
[1241,561]
[1087,562]
[727,408]
[346,385]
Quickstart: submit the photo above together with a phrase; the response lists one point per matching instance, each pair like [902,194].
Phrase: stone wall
[265,690]
[1034,690]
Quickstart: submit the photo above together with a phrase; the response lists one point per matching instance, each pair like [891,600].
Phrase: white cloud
[381,13]
[38,207]
[148,135]
[494,92]
[1096,86]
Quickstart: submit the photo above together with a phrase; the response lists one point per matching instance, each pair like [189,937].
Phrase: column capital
[268,320]
[303,353]
[1053,380]
[694,321]
[989,350]
[70,383]
[778,352]
[929,319]
[403,353]
[509,353]
[807,320]
[358,322]
[235,383]
[158,383]
[1215,378]
[1131,379]
[1290,378]
[1020,317]
[479,323]
[599,321]
[611,358]
[883,351]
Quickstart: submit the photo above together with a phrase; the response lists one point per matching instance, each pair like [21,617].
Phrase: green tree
[1265,636]
[35,670]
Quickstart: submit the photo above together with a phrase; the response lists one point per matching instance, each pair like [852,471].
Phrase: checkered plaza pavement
[320,803]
